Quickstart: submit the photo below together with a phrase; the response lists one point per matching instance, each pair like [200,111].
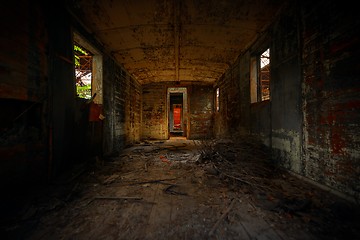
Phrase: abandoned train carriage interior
[82,81]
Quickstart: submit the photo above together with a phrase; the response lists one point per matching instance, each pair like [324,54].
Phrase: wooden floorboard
[157,191]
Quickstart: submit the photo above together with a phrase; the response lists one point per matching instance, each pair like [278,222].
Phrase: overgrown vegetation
[82,61]
[78,51]
[84,91]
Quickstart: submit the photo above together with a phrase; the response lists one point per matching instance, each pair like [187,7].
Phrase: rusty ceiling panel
[174,40]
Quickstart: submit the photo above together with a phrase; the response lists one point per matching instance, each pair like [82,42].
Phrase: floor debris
[211,190]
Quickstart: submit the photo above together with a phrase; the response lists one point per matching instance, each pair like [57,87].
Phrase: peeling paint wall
[229,118]
[236,114]
[122,103]
[154,112]
[286,112]
[36,102]
[40,133]
[331,84]
[260,124]
[312,120]
[133,112]
[201,100]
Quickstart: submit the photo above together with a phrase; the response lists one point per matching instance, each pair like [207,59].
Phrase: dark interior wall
[286,99]
[122,105]
[260,121]
[227,119]
[121,95]
[40,134]
[24,98]
[236,114]
[331,84]
[37,70]
[245,119]
[154,112]
[201,100]
[61,85]
[312,119]
[133,112]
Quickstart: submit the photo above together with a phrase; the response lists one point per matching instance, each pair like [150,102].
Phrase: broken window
[264,75]
[83,71]
[88,69]
[260,77]
[217,100]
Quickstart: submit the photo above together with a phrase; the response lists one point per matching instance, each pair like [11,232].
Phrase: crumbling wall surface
[227,119]
[286,115]
[260,124]
[122,108]
[154,111]
[331,48]
[133,110]
[220,125]
[36,92]
[260,111]
[201,99]
[245,119]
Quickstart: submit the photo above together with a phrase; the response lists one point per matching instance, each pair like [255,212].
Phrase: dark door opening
[177,126]
[177,117]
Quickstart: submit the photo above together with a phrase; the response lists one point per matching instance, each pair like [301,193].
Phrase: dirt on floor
[180,189]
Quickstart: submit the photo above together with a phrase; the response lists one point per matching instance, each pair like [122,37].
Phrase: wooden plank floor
[154,191]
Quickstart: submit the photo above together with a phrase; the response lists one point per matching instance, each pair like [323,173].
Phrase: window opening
[83,71]
[264,75]
[260,77]
[217,100]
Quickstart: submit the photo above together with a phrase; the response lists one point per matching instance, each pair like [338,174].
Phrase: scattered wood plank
[226,212]
[110,179]
[169,190]
[155,181]
[117,198]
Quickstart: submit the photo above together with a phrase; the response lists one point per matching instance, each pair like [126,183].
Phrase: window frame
[256,73]
[262,55]
[97,67]
[217,99]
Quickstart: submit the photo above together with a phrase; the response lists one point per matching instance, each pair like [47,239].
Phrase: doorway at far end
[177,112]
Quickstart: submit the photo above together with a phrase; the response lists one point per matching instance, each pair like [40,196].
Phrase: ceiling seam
[177,37]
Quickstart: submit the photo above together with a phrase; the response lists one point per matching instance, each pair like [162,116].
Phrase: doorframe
[185,124]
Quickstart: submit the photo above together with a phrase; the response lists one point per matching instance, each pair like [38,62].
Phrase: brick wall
[313,118]
[122,105]
[331,48]
[228,119]
[201,100]
[155,107]
[154,115]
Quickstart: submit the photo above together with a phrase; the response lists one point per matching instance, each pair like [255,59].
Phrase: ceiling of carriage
[176,40]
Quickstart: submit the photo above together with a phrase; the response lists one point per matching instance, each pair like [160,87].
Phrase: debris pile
[245,163]
[243,159]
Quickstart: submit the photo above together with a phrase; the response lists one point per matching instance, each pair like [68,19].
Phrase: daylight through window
[264,75]
[217,103]
[83,71]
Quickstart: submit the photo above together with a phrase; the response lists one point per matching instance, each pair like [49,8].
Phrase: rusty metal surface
[172,40]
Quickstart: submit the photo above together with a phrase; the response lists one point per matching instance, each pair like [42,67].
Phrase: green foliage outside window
[83,90]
